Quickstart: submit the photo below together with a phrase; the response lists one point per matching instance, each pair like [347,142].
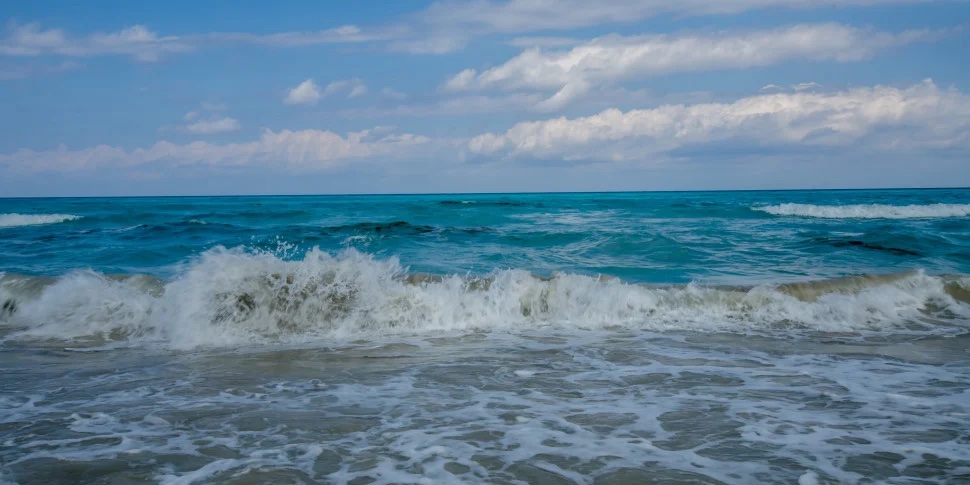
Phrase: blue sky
[245,97]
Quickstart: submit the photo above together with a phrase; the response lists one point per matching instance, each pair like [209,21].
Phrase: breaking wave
[229,297]
[868,211]
[17,220]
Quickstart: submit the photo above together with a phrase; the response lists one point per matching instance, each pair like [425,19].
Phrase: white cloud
[31,70]
[919,117]
[294,150]
[605,60]
[452,106]
[482,16]
[145,45]
[806,86]
[213,125]
[358,90]
[443,28]
[353,87]
[527,42]
[393,94]
[338,35]
[436,43]
[306,93]
[136,41]
[210,106]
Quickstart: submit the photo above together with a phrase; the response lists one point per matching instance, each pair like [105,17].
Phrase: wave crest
[868,211]
[234,297]
[17,220]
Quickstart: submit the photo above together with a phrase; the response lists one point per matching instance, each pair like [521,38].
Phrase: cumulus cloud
[922,116]
[574,72]
[295,150]
[305,93]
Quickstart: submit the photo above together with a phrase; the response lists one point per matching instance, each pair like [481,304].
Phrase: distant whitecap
[868,211]
[17,220]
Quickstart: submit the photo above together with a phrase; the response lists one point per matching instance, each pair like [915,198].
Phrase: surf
[232,297]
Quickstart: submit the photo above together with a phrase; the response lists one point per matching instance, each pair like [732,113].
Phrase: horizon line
[404,194]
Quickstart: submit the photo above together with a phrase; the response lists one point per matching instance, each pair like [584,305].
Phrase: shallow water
[487,339]
[537,408]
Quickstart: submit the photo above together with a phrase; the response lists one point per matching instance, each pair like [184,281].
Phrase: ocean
[611,338]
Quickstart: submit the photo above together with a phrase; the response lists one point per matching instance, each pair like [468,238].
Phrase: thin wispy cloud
[137,41]
[207,121]
[16,72]
[517,16]
[442,28]
[141,43]
[391,93]
[351,87]
[291,150]
[213,126]
[344,34]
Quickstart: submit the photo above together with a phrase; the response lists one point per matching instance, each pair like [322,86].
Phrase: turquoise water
[642,237]
[703,337]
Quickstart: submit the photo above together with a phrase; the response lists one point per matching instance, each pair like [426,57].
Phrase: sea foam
[234,297]
[16,220]
[868,211]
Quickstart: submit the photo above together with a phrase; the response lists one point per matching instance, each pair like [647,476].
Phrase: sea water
[726,337]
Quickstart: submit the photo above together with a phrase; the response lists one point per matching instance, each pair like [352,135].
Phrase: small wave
[401,228]
[868,211]
[861,244]
[17,220]
[234,297]
[395,227]
[490,203]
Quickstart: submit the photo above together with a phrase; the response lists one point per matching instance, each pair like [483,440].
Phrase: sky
[243,97]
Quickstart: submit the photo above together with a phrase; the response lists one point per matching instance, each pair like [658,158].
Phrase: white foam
[809,478]
[743,410]
[17,220]
[868,211]
[234,297]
